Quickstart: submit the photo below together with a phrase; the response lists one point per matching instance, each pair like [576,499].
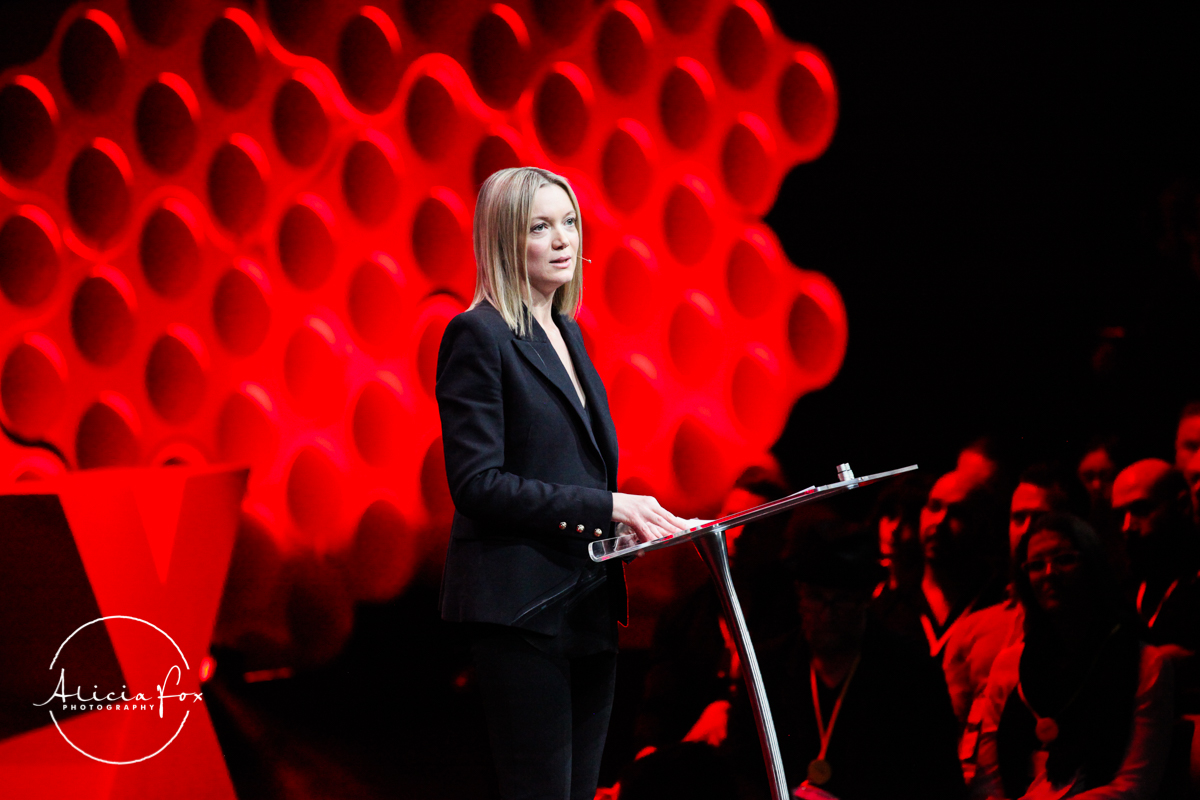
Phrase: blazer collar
[593,388]
[540,353]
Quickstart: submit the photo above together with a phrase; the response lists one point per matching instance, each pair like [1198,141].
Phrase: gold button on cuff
[597,533]
[562,526]
[579,529]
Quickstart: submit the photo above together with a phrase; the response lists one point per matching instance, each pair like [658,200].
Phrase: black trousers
[547,715]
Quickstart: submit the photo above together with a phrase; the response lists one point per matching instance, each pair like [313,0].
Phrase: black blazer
[530,470]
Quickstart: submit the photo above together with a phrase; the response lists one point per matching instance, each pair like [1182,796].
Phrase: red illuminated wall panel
[228,236]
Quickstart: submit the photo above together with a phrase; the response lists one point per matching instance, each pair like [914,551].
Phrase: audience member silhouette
[1151,500]
[1081,705]
[1187,452]
[897,518]
[859,712]
[1041,490]
[965,557]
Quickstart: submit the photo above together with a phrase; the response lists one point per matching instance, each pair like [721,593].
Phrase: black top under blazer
[531,473]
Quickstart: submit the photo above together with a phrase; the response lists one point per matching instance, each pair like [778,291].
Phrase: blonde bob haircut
[502,217]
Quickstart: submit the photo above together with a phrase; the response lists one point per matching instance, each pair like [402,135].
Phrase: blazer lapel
[540,353]
[604,434]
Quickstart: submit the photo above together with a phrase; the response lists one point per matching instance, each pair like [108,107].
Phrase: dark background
[990,204]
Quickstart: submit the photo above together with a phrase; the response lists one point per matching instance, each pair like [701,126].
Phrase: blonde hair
[502,216]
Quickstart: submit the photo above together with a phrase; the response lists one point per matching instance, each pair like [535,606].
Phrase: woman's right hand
[645,517]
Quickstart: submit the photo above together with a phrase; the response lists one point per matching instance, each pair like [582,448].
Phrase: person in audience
[897,518]
[1081,706]
[1041,490]
[984,462]
[1103,458]
[1187,452]
[1097,469]
[1151,501]
[859,712]
[965,555]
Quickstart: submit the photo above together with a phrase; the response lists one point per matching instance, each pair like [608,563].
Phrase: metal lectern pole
[711,546]
[710,542]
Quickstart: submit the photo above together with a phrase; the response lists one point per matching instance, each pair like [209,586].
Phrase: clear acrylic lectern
[710,543]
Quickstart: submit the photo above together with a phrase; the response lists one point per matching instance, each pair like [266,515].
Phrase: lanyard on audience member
[1046,727]
[1141,595]
[819,770]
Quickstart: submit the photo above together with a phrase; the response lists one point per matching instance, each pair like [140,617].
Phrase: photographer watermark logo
[153,712]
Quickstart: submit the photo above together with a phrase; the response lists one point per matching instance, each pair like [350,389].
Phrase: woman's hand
[645,517]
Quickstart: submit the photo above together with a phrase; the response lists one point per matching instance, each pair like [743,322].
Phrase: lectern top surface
[627,544]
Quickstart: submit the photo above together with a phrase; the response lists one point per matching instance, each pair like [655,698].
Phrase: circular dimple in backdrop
[750,274]
[622,45]
[369,59]
[306,249]
[237,187]
[102,316]
[811,334]
[314,491]
[431,118]
[632,287]
[27,128]
[625,166]
[299,121]
[494,153]
[169,249]
[561,109]
[742,43]
[379,423]
[240,310]
[499,56]
[636,403]
[230,58]
[175,379]
[369,180]
[683,103]
[33,386]
[808,101]
[439,236]
[106,436]
[246,429]
[29,261]
[313,371]
[687,220]
[90,61]
[377,304]
[747,158]
[98,190]
[166,123]
[755,391]
[695,339]
[697,459]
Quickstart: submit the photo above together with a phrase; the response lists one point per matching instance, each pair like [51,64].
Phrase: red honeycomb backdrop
[238,236]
